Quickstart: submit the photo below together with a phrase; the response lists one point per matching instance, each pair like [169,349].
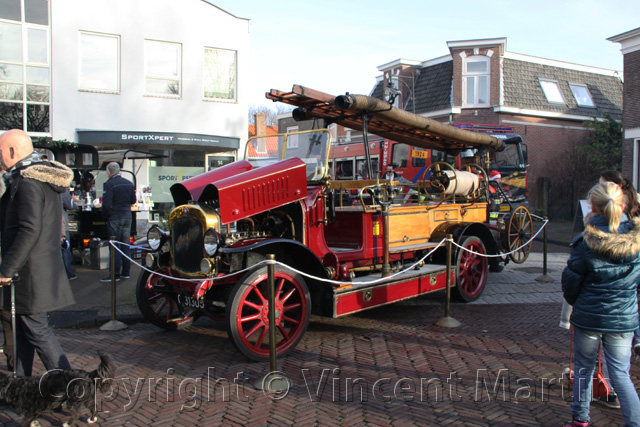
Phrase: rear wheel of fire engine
[520,230]
[158,302]
[248,313]
[471,269]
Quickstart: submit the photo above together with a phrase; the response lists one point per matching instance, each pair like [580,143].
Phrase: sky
[335,46]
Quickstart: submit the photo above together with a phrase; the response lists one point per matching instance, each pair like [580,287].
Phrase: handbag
[599,385]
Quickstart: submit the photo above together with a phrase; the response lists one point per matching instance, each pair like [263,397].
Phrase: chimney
[261,124]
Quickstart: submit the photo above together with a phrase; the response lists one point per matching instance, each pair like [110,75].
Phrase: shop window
[220,74]
[552,91]
[99,58]
[475,78]
[581,95]
[162,68]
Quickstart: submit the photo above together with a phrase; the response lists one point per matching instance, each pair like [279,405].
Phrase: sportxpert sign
[157,138]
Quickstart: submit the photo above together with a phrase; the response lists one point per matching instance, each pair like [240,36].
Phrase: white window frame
[476,77]
[549,93]
[580,86]
[158,76]
[87,88]
[235,76]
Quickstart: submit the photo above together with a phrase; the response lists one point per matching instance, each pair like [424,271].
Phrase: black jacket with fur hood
[30,219]
[602,275]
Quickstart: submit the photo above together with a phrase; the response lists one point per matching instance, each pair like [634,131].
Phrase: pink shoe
[576,423]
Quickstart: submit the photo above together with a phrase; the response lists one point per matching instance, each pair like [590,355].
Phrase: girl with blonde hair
[600,282]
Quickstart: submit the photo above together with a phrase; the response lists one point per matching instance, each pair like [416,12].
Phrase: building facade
[630,47]
[160,76]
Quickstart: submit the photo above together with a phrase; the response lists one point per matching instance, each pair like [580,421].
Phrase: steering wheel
[441,181]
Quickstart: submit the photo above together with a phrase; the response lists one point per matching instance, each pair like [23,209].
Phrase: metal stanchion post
[13,328]
[113,324]
[447,321]
[544,277]
[274,382]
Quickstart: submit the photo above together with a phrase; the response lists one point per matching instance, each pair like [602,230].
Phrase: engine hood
[257,190]
[191,189]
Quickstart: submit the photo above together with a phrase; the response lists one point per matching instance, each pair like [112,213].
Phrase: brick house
[543,100]
[630,47]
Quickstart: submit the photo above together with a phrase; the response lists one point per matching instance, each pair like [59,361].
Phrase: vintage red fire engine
[334,258]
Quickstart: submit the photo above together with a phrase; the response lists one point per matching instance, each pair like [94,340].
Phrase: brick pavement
[387,366]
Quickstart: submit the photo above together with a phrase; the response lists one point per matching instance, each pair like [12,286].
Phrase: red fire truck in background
[348,160]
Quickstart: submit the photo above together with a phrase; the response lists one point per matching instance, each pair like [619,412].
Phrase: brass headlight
[155,237]
[211,241]
[149,260]
[206,266]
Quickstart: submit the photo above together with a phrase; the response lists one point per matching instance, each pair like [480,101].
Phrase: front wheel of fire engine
[158,301]
[248,313]
[471,267]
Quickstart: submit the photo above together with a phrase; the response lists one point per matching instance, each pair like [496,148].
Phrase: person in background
[68,203]
[30,218]
[600,281]
[117,197]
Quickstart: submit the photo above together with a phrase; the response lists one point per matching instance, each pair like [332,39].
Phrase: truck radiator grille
[187,243]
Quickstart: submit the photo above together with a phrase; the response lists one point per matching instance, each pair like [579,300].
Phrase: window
[99,62]
[552,91]
[399,155]
[162,68]
[10,9]
[475,77]
[25,81]
[220,74]
[582,95]
[292,140]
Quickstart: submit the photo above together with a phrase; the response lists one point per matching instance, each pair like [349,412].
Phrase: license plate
[190,302]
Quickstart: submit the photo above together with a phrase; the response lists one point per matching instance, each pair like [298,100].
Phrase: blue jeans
[617,352]
[121,230]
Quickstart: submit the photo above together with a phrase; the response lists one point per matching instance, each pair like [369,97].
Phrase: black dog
[58,389]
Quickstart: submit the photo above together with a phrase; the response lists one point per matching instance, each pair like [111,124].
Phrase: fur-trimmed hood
[57,175]
[613,245]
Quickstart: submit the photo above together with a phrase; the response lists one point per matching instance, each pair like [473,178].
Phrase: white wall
[193,23]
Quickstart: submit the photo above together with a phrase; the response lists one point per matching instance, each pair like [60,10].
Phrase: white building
[166,76]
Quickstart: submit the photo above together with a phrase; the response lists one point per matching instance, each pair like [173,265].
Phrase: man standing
[117,197]
[30,217]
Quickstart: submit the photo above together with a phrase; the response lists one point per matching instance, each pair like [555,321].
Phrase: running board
[362,295]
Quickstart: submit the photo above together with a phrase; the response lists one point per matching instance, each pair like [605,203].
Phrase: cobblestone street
[387,366]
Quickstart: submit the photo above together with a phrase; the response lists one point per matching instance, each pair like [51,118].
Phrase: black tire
[158,302]
[247,313]
[472,270]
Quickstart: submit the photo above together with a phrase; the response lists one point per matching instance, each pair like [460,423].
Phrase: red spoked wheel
[248,313]
[157,300]
[472,269]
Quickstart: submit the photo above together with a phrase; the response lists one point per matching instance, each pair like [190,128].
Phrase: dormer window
[475,78]
[552,91]
[581,95]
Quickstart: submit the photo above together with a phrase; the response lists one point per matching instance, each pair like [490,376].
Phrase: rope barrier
[321,279]
[508,253]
